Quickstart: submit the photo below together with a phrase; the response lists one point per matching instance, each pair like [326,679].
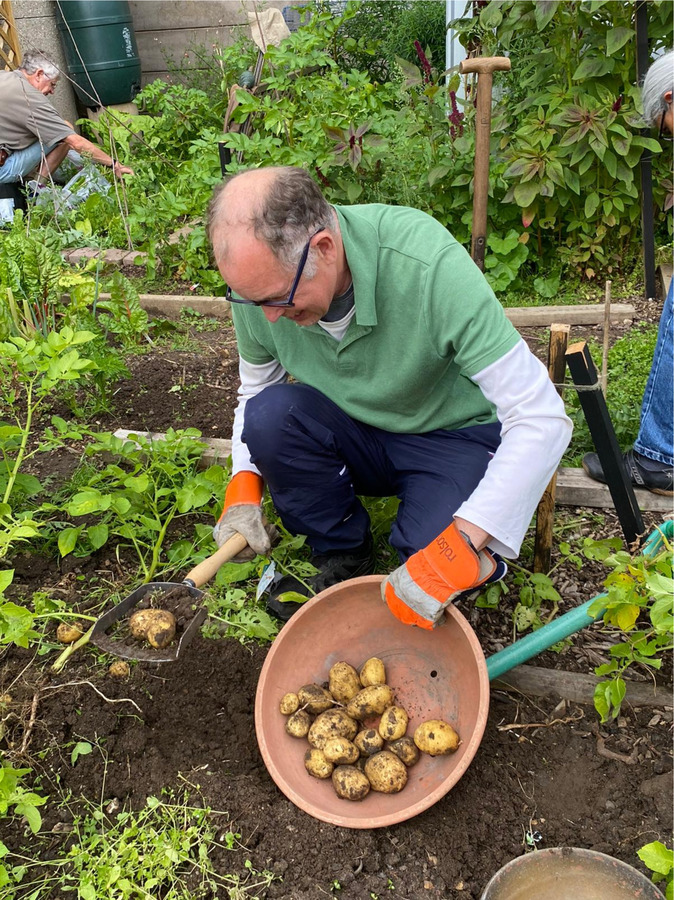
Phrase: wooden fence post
[545,513]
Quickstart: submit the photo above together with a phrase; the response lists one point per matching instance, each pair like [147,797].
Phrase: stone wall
[182,30]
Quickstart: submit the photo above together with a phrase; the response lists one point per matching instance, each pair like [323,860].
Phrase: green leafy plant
[122,314]
[30,371]
[81,748]
[569,122]
[150,485]
[17,800]
[639,603]
[233,614]
[21,624]
[629,362]
[165,849]
[660,860]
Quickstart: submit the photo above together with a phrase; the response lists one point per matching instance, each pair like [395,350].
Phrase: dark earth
[546,773]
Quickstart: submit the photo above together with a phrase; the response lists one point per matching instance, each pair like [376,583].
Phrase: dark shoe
[333,567]
[642,472]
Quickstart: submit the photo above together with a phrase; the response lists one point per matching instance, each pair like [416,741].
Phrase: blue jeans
[316,460]
[656,432]
[21,163]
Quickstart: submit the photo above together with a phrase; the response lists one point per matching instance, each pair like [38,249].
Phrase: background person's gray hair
[659,79]
[293,209]
[37,59]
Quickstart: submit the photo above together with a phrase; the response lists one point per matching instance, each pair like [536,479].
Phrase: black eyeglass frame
[661,129]
[288,302]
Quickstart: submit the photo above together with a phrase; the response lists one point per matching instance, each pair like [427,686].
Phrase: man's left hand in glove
[418,592]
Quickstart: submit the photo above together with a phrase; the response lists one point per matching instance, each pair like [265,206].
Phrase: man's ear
[326,246]
[667,97]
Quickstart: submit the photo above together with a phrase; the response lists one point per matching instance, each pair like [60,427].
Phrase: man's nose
[272,313]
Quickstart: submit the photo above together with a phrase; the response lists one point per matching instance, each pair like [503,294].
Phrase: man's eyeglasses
[663,133]
[296,280]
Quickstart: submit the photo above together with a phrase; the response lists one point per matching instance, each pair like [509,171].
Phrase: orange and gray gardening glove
[242,514]
[419,591]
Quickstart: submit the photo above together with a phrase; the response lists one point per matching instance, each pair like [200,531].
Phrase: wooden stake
[607,328]
[545,513]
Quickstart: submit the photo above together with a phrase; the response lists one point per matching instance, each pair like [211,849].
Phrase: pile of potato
[359,758]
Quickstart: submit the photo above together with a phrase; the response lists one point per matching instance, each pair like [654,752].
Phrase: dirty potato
[139,623]
[298,724]
[343,682]
[372,672]
[331,724]
[350,783]
[119,669]
[289,704]
[340,751]
[316,764]
[371,701]
[437,738]
[68,633]
[314,698]
[386,773]
[161,630]
[393,723]
[405,749]
[369,741]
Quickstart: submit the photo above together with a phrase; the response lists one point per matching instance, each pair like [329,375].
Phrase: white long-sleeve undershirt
[535,431]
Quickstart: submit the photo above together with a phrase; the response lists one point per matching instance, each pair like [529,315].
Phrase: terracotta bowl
[438,674]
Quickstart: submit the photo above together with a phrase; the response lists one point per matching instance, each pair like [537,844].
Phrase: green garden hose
[542,639]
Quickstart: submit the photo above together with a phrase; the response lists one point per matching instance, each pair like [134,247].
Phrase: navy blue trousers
[316,460]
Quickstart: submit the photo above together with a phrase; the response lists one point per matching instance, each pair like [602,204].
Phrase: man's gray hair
[37,59]
[659,79]
[290,212]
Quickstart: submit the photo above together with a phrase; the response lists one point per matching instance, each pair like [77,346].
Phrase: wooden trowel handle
[208,567]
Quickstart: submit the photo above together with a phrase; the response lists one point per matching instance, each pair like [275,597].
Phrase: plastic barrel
[99,44]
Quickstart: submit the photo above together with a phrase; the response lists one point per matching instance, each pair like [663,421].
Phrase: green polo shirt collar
[359,236]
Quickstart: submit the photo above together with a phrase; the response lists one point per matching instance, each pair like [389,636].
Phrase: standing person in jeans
[650,462]
[32,134]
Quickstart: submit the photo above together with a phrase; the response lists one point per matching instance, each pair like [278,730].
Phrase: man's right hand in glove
[242,514]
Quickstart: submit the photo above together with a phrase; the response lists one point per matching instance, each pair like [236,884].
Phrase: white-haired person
[650,462]
[34,138]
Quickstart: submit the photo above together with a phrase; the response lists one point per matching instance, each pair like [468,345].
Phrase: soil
[546,773]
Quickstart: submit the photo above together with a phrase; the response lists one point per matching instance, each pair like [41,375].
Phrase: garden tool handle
[207,568]
[484,67]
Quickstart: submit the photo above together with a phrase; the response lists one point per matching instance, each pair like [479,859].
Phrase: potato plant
[136,497]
